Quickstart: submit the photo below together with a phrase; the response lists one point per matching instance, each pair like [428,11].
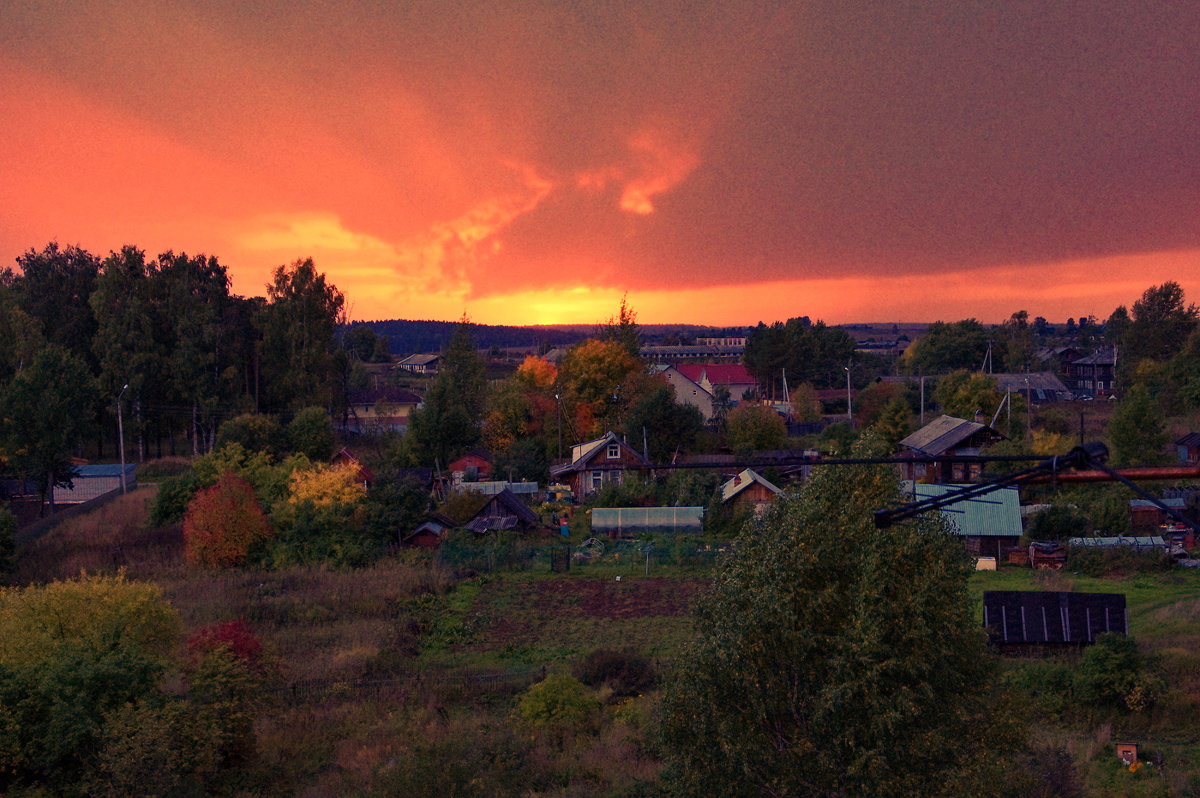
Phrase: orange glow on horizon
[1068,291]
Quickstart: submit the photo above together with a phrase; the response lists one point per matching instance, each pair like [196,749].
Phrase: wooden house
[363,475]
[1188,448]
[1094,374]
[505,511]
[749,488]
[989,524]
[597,463]
[1035,386]
[379,410]
[420,363]
[473,466]
[944,438]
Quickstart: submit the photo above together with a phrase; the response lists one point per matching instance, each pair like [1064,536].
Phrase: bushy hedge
[623,672]
[1097,561]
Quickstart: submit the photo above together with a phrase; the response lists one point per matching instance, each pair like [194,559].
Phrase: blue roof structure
[996,513]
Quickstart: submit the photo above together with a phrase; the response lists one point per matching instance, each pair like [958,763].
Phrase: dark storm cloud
[676,144]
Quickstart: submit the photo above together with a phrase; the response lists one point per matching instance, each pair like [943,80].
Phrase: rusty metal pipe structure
[1086,463]
[1136,473]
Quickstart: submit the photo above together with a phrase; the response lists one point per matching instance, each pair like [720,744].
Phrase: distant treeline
[406,337]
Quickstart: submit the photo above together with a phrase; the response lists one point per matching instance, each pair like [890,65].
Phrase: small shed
[1056,618]
[1188,448]
[504,511]
[1144,514]
[751,488]
[362,475]
[430,534]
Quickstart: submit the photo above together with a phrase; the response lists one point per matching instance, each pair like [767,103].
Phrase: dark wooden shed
[1052,618]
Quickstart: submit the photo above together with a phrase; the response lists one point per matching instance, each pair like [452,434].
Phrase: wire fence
[497,554]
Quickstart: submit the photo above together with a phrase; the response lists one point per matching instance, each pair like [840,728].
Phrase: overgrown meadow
[412,677]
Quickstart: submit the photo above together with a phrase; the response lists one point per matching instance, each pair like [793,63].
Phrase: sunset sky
[532,161]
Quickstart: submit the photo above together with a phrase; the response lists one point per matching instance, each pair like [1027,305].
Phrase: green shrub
[630,493]
[1095,561]
[163,467]
[311,433]
[255,433]
[171,501]
[560,700]
[623,672]
[1048,684]
[468,757]
[1058,522]
[1109,671]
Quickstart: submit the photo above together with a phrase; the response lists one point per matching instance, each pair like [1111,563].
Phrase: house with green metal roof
[988,523]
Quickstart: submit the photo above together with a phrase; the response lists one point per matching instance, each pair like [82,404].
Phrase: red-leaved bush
[223,522]
[234,637]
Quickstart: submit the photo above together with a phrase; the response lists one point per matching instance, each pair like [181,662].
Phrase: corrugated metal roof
[1136,542]
[943,433]
[419,360]
[996,513]
[1142,504]
[1101,357]
[1044,381]
[105,470]
[491,488]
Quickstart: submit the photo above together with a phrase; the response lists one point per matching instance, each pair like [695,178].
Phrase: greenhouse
[629,521]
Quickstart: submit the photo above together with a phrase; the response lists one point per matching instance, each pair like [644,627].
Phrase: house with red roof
[696,383]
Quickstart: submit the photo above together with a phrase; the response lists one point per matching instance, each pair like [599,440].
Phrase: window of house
[597,480]
[614,451]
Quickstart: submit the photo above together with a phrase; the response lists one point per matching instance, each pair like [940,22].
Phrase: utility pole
[558,399]
[849,400]
[121,437]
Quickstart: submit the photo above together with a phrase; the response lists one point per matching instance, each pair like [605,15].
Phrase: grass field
[400,679]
